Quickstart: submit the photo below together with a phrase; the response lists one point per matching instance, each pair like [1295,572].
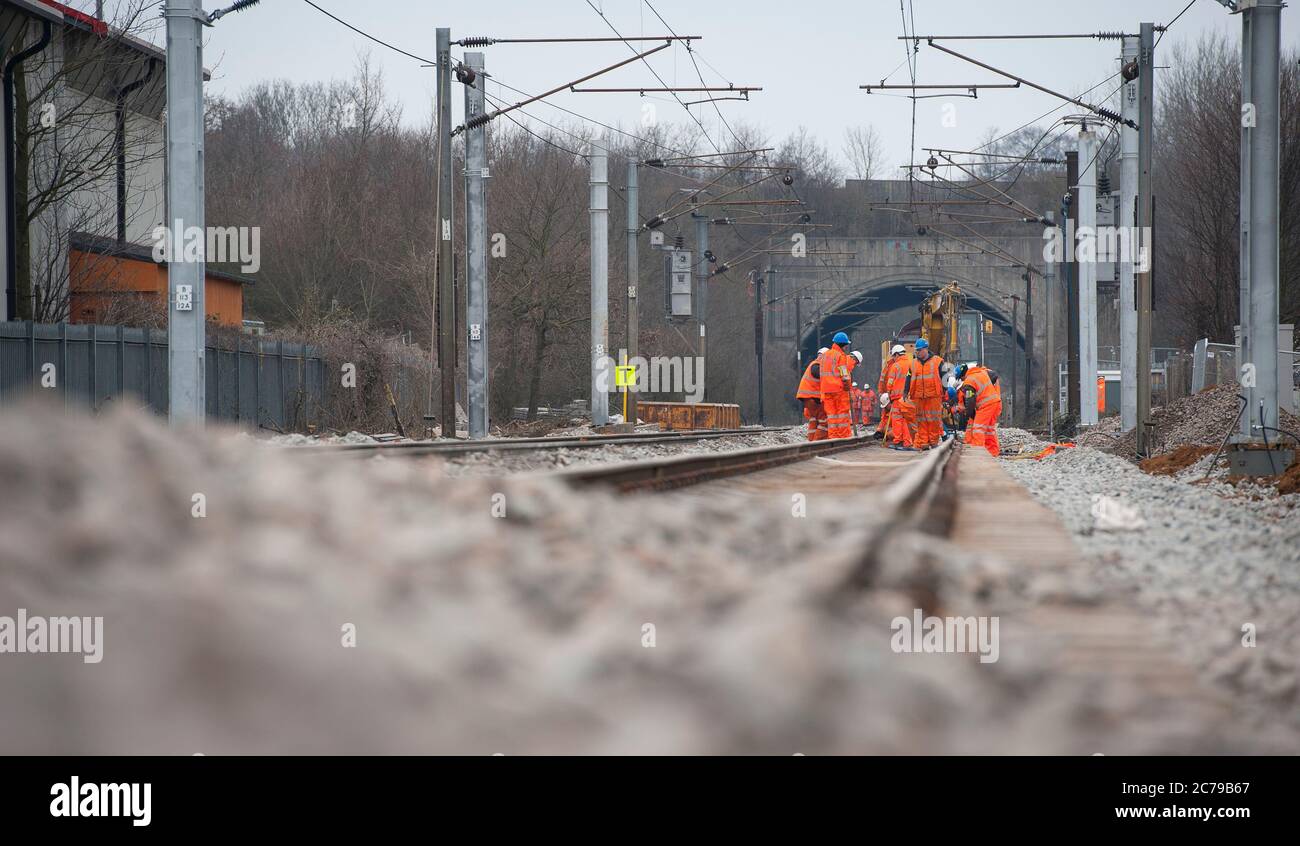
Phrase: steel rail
[682,470]
[415,448]
[922,499]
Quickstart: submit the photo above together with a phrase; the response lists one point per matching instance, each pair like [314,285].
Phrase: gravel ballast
[255,602]
[1211,563]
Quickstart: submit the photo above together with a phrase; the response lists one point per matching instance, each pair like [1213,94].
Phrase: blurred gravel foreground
[488,616]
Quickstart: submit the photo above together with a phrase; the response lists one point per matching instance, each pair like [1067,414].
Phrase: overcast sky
[809,56]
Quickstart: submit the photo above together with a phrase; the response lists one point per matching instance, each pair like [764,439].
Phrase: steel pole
[1051,381]
[599,210]
[1146,140]
[445,303]
[1029,348]
[1088,279]
[759,281]
[633,277]
[476,307]
[702,300]
[1072,286]
[1015,360]
[1262,28]
[1128,188]
[1244,209]
[185,275]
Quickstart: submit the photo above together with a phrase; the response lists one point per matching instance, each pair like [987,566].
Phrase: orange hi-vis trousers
[839,423]
[902,415]
[983,431]
[815,414]
[929,422]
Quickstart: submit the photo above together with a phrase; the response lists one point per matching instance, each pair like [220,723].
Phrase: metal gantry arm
[485,118]
[1101,111]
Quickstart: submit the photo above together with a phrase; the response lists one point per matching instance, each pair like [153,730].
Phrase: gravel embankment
[1209,560]
[1201,419]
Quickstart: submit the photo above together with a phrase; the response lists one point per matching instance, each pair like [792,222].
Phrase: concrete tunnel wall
[879,289]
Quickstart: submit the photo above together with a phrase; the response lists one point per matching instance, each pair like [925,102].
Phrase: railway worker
[810,394]
[856,408]
[868,403]
[882,392]
[954,418]
[983,400]
[836,386]
[925,390]
[898,413]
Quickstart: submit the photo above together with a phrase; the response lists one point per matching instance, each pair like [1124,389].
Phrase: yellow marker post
[625,378]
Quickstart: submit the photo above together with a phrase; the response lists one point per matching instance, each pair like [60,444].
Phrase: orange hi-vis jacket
[977,380]
[835,370]
[926,383]
[894,377]
[810,386]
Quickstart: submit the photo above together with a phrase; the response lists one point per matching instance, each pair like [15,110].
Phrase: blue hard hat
[840,338]
[922,344]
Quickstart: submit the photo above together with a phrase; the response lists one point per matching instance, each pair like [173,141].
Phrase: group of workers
[922,398]
[826,391]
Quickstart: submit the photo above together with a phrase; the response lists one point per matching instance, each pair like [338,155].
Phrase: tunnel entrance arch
[872,311]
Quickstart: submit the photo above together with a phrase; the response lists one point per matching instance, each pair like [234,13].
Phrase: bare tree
[1197,237]
[864,150]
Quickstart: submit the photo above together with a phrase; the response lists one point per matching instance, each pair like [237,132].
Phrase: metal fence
[250,381]
[1217,364]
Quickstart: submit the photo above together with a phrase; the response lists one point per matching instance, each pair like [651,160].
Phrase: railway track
[461,447]
[969,545]
[683,470]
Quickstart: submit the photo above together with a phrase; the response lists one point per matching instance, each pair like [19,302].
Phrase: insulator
[787,179]
[477,41]
[654,222]
[653,162]
[1109,115]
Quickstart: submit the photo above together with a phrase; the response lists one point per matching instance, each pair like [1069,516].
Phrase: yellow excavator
[939,319]
[943,319]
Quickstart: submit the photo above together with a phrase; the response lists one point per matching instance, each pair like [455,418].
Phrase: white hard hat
[898,348]
[858,356]
[823,349]
[855,384]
